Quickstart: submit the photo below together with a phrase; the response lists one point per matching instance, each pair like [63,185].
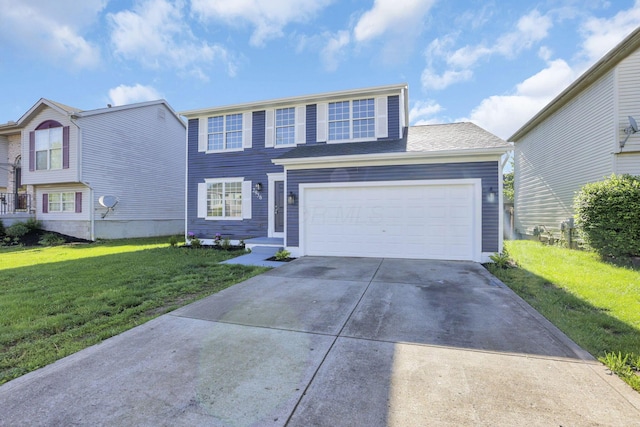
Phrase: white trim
[410,158]
[477,204]
[270,128]
[300,124]
[247,130]
[203,129]
[322,122]
[381,116]
[202,199]
[271,206]
[370,92]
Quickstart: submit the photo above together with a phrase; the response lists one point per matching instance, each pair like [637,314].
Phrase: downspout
[92,232]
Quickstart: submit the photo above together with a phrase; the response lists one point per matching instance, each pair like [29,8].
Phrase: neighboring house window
[49,146]
[285,126]
[224,199]
[352,119]
[66,201]
[224,132]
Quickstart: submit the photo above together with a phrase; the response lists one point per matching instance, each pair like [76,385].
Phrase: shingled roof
[426,138]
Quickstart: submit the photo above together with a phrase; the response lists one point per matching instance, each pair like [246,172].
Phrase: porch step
[264,242]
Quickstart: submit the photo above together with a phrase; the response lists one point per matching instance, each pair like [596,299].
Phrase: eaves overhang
[411,157]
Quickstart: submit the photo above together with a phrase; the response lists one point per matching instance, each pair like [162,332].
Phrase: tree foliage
[608,215]
[507,186]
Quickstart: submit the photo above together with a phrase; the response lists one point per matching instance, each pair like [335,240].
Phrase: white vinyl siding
[568,149]
[139,157]
[628,163]
[628,75]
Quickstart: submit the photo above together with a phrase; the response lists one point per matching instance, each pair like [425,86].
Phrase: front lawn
[595,303]
[57,300]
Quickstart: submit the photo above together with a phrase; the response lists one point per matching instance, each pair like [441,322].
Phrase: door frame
[271,204]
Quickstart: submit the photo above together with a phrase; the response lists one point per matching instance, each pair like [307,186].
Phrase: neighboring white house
[72,166]
[578,138]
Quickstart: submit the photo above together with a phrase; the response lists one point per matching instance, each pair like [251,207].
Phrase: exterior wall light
[291,198]
[491,196]
[258,186]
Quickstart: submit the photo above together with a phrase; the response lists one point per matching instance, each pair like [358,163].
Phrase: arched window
[49,146]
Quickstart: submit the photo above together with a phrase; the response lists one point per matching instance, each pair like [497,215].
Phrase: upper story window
[285,126]
[224,132]
[49,146]
[352,119]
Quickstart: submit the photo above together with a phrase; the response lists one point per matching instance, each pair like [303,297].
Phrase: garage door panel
[412,221]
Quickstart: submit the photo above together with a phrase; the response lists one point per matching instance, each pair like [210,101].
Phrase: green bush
[607,215]
[2,230]
[51,239]
[33,224]
[282,255]
[17,229]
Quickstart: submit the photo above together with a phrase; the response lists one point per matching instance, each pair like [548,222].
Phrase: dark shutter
[45,203]
[78,202]
[65,147]
[32,150]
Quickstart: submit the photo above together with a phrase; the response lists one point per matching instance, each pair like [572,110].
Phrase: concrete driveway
[334,342]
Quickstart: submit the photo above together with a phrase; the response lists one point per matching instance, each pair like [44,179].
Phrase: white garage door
[409,220]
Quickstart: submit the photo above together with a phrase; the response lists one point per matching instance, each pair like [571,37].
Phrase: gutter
[411,155]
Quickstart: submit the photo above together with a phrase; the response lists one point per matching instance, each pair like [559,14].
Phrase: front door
[278,217]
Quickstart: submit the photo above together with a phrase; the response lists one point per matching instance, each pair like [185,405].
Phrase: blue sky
[495,63]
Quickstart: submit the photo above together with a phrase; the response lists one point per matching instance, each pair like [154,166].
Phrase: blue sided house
[342,174]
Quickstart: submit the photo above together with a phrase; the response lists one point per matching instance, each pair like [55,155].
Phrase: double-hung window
[224,132]
[224,199]
[62,202]
[352,119]
[285,126]
[48,148]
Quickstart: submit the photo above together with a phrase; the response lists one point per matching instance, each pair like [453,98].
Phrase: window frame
[225,132]
[290,125]
[243,204]
[351,120]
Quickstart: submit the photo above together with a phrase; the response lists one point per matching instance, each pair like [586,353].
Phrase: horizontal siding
[312,124]
[628,163]
[393,118]
[137,155]
[486,171]
[4,158]
[570,148]
[629,98]
[50,176]
[252,164]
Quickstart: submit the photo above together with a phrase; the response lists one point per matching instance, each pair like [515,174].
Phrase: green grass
[55,301]
[597,304]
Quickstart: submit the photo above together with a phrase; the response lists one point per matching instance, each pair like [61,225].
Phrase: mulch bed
[33,237]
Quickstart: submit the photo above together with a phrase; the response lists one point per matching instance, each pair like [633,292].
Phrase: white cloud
[52,30]
[334,50]
[124,94]
[602,35]
[422,112]
[458,64]
[504,114]
[156,34]
[391,16]
[268,17]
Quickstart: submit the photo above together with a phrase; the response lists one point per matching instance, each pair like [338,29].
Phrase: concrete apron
[334,342]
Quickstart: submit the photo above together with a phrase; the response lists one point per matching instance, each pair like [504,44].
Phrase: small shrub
[33,224]
[173,241]
[624,366]
[282,255]
[607,215]
[2,230]
[226,244]
[17,229]
[51,239]
[196,243]
[502,260]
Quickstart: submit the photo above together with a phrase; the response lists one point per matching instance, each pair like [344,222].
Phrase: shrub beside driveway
[55,301]
[595,303]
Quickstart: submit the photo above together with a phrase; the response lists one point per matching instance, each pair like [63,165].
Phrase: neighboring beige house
[578,138]
[108,173]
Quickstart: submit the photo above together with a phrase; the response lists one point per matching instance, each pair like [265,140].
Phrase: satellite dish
[108,202]
[629,130]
